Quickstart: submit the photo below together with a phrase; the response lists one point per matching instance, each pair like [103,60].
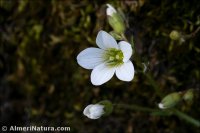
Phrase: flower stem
[193,34]
[176,112]
[136,107]
[124,37]
[186,117]
[154,84]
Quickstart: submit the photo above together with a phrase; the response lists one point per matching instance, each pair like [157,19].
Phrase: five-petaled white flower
[94,111]
[108,59]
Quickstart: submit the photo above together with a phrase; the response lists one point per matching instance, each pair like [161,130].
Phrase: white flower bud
[110,10]
[94,111]
[115,20]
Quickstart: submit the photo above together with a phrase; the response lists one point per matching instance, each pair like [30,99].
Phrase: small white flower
[110,10]
[108,59]
[94,111]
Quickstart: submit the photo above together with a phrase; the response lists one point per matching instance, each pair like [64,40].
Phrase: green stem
[186,117]
[154,84]
[148,75]
[176,112]
[124,37]
[193,34]
[136,107]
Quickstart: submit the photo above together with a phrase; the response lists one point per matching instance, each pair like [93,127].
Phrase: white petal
[90,57]
[110,10]
[161,106]
[105,40]
[86,111]
[101,74]
[126,49]
[125,72]
[96,111]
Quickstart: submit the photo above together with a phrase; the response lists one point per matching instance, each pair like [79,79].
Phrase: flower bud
[115,20]
[110,10]
[189,95]
[95,111]
[170,100]
[108,107]
[175,35]
[116,36]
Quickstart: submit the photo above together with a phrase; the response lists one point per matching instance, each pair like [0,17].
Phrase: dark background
[42,84]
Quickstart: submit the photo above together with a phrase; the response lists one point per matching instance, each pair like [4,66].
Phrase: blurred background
[42,84]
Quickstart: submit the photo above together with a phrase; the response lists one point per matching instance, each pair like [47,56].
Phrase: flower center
[113,57]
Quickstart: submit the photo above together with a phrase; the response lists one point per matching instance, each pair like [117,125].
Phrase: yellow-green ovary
[113,57]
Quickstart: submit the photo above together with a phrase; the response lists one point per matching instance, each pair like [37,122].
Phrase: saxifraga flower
[108,59]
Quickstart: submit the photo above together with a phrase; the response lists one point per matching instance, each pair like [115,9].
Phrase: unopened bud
[116,36]
[110,10]
[108,107]
[175,35]
[170,100]
[95,111]
[115,20]
[189,95]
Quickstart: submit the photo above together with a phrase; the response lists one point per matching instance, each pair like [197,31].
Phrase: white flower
[94,111]
[110,10]
[108,59]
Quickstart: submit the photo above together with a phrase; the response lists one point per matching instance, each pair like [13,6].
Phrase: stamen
[113,57]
